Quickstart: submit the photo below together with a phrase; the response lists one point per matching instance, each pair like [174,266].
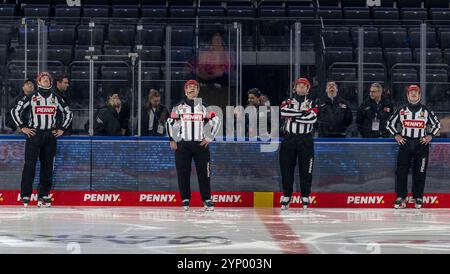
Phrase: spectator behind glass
[62,89]
[154,116]
[373,114]
[265,100]
[107,120]
[211,68]
[334,113]
[27,88]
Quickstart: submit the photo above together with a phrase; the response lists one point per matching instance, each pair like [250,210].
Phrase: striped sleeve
[172,121]
[286,111]
[17,110]
[67,114]
[212,127]
[307,117]
[435,124]
[391,125]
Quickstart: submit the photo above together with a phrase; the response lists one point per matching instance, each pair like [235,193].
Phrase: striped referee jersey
[191,121]
[300,114]
[416,121]
[42,106]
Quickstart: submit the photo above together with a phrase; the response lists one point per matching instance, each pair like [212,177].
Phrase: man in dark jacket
[106,121]
[62,89]
[27,88]
[154,116]
[334,113]
[374,113]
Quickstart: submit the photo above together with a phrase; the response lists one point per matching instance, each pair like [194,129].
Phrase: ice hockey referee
[418,126]
[191,127]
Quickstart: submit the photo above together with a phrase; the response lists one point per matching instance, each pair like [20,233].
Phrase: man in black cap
[27,88]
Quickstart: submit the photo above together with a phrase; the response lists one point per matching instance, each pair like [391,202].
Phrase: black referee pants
[42,146]
[415,154]
[183,159]
[297,148]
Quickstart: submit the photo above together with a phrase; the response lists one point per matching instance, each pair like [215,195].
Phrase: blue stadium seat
[333,55]
[394,38]
[151,53]
[150,35]
[32,34]
[409,3]
[127,11]
[121,35]
[447,56]
[182,36]
[414,36]
[240,11]
[434,56]
[3,52]
[116,50]
[397,55]
[371,37]
[372,55]
[444,37]
[343,74]
[181,54]
[374,75]
[36,10]
[5,34]
[211,11]
[440,16]
[437,3]
[62,53]
[84,35]
[354,3]
[19,52]
[331,15]
[337,37]
[64,13]
[300,12]
[272,11]
[153,11]
[413,16]
[61,34]
[95,11]
[332,3]
[7,10]
[182,11]
[81,52]
[359,15]
[385,16]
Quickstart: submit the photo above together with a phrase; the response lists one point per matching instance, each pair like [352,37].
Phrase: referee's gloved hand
[400,140]
[425,140]
[57,132]
[204,143]
[28,131]
[173,145]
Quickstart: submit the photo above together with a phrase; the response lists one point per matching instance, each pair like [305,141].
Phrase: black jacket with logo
[368,112]
[334,117]
[107,122]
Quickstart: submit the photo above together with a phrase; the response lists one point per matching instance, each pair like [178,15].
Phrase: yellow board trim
[262,199]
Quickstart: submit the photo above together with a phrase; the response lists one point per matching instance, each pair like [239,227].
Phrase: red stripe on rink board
[221,199]
[363,200]
[287,239]
[129,198]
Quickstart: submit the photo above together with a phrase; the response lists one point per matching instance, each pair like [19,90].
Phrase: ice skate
[44,201]
[399,203]
[285,202]
[209,205]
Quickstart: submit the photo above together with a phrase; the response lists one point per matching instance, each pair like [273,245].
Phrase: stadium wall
[141,172]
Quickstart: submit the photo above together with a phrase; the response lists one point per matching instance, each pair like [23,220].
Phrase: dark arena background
[119,194]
